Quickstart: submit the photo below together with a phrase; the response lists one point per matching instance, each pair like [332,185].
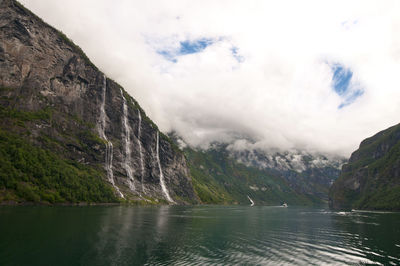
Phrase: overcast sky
[313,75]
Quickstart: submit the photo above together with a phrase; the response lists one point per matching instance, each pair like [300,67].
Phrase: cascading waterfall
[140,149]
[109,146]
[252,202]
[127,144]
[163,187]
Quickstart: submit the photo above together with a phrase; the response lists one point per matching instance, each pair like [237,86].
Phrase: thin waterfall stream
[140,150]
[109,145]
[127,145]
[162,182]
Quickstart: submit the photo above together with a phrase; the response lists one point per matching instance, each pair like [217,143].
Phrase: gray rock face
[43,70]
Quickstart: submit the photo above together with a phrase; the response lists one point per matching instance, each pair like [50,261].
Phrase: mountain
[371,178]
[70,134]
[220,179]
[306,173]
[224,173]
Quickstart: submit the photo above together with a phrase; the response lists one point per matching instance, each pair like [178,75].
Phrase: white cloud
[280,94]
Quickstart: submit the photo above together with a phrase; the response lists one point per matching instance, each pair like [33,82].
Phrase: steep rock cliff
[54,98]
[371,179]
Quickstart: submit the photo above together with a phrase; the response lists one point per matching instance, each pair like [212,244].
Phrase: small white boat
[284,205]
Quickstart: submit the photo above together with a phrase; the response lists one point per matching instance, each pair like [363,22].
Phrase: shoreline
[14,203]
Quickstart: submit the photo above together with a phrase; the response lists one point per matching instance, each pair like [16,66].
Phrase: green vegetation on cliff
[371,179]
[37,170]
[33,174]
[219,179]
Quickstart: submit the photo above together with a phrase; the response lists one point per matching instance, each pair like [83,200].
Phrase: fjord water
[196,235]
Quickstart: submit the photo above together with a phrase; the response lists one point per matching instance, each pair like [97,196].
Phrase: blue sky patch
[196,46]
[341,79]
[175,49]
[186,47]
[342,85]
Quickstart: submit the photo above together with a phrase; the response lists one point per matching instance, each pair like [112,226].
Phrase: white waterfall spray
[252,202]
[140,149]
[109,146]
[163,187]
[127,145]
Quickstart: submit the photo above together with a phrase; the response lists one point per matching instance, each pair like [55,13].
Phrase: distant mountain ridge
[220,179]
[296,172]
[305,172]
[371,178]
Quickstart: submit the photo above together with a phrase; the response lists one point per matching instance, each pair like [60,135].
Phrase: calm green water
[196,236]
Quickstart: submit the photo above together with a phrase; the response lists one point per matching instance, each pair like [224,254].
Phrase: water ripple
[211,235]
